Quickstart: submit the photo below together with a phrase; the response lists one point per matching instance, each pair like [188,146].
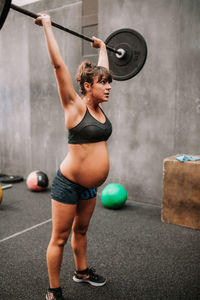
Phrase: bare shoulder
[74,112]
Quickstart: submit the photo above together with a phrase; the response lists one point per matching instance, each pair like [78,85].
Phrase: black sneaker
[55,295]
[93,278]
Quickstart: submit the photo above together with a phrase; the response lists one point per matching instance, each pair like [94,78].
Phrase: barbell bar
[5,187]
[127,47]
[84,37]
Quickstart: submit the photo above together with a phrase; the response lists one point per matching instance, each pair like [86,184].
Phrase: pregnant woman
[86,164]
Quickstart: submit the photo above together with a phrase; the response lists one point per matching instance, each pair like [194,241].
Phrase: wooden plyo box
[181,192]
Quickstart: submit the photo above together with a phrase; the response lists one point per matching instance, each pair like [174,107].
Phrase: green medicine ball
[113,196]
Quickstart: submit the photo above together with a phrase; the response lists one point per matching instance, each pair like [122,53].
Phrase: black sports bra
[89,130]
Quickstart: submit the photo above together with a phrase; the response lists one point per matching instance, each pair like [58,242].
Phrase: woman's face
[100,89]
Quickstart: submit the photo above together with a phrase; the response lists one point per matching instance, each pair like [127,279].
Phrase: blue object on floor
[184,157]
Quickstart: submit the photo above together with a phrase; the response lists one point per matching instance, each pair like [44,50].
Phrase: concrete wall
[154,115]
[32,129]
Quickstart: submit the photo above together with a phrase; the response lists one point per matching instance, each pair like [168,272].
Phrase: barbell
[127,48]
[5,187]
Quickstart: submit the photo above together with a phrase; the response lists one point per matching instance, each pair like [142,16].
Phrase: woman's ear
[87,86]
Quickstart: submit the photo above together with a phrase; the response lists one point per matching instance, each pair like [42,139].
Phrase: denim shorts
[67,191]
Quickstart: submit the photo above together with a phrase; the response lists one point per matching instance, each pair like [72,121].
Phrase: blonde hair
[86,73]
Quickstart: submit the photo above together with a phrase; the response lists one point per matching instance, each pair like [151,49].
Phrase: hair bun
[83,68]
[88,65]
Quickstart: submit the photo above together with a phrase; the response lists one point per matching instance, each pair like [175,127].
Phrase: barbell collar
[5,187]
[122,53]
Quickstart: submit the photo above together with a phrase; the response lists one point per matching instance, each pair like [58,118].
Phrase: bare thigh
[62,219]
[83,215]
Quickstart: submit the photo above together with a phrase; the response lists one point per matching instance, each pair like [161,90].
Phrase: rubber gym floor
[141,257]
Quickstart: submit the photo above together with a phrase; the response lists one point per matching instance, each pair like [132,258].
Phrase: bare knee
[79,238]
[60,239]
[80,230]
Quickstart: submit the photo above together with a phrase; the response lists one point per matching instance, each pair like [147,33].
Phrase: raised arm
[103,56]
[65,85]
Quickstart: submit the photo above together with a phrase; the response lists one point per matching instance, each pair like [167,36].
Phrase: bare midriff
[86,164]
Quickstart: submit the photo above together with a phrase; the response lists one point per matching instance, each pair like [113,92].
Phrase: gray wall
[32,129]
[154,115]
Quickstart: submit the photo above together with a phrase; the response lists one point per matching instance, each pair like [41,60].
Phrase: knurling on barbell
[127,48]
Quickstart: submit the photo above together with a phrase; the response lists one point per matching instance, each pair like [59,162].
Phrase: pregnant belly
[87,164]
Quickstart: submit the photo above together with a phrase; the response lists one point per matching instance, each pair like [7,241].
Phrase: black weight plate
[10,178]
[4,9]
[136,53]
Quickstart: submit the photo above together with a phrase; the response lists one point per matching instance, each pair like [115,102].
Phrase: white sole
[88,281]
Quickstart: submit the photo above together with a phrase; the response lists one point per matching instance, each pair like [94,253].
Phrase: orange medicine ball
[37,181]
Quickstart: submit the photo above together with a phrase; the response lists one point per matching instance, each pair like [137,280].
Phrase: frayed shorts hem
[63,201]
